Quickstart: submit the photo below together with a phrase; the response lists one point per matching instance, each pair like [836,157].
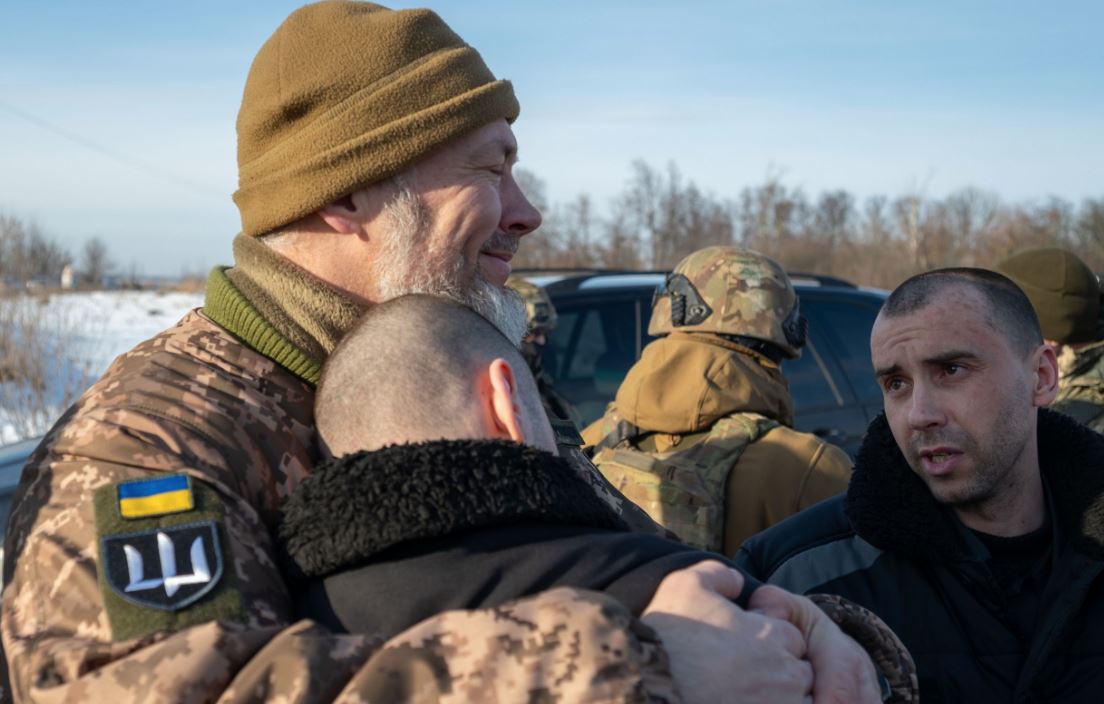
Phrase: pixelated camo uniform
[699,437]
[1081,385]
[195,402]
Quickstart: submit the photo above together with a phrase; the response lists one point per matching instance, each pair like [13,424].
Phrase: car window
[590,344]
[590,351]
[847,326]
[811,384]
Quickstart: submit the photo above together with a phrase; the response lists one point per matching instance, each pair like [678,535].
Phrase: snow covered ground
[85,332]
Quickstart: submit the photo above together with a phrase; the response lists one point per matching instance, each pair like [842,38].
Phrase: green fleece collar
[279,309]
[225,305]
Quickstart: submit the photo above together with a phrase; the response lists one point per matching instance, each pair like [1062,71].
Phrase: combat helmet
[538,306]
[735,293]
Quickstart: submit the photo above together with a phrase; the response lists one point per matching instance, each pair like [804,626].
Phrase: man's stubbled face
[413,261]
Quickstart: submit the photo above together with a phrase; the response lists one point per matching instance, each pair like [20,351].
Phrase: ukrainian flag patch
[143,498]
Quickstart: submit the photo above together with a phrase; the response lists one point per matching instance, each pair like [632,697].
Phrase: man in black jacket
[974,521]
[446,492]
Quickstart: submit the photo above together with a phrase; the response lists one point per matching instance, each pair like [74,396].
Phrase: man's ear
[1045,364]
[342,215]
[355,213]
[504,419]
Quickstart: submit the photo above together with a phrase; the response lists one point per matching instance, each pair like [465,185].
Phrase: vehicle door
[840,339]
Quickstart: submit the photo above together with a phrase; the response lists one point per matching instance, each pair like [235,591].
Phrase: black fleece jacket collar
[891,508]
[356,506]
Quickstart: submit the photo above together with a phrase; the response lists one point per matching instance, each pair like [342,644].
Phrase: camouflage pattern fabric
[1081,382]
[634,515]
[890,656]
[745,292]
[683,488]
[197,401]
[567,645]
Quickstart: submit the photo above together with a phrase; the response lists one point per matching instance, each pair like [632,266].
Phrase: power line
[145,167]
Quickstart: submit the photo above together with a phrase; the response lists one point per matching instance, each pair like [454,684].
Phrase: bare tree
[660,216]
[27,254]
[770,217]
[95,264]
[670,217]
[1089,229]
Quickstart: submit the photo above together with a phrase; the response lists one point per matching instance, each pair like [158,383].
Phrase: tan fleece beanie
[1062,289]
[345,94]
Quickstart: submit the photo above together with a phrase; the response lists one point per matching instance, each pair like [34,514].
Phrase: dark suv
[603,326]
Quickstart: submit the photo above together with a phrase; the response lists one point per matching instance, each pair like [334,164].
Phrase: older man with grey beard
[375,158]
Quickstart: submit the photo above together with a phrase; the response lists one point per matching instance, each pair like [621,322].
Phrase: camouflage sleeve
[562,645]
[889,654]
[75,630]
[565,645]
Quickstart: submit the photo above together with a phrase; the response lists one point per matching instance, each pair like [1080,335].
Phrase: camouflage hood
[686,382]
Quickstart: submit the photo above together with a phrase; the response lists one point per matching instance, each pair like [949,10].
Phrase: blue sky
[117,119]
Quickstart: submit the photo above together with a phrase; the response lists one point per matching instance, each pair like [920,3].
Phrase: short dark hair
[1009,310]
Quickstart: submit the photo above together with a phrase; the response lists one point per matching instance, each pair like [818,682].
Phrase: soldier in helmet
[1066,296]
[542,321]
[699,434]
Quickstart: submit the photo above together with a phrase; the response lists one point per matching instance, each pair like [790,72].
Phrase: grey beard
[408,264]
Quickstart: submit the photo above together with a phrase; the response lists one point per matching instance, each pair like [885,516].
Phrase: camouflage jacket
[714,416]
[1081,385]
[197,405]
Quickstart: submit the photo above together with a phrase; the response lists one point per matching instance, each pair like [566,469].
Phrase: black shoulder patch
[163,568]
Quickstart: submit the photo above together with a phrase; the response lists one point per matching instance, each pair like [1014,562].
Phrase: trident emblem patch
[164,568]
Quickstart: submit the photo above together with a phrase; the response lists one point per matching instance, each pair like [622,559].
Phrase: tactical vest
[682,489]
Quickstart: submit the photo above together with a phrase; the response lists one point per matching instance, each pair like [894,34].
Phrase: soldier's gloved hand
[842,670]
[721,653]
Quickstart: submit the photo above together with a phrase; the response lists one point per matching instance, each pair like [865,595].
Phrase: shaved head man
[427,368]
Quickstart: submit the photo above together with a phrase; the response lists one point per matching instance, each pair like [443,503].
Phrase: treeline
[27,255]
[660,216]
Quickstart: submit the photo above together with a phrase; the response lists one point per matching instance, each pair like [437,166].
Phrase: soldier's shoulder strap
[565,431]
[752,425]
[623,430]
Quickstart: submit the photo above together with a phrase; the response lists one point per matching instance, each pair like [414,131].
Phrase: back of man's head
[422,368]
[1009,312]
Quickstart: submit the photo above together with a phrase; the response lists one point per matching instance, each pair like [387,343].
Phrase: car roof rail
[583,271]
[821,279]
[567,272]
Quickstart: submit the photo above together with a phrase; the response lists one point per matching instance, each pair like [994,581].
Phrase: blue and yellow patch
[155,497]
[160,561]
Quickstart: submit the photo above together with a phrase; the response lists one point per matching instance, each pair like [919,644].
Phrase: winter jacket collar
[354,507]
[686,382]
[279,309]
[892,509]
